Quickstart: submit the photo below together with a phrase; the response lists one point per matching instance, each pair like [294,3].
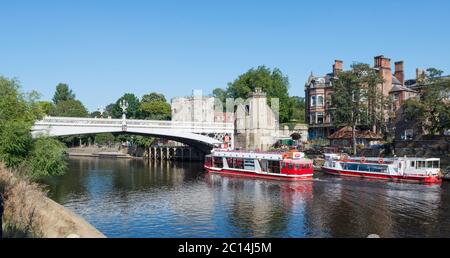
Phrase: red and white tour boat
[424,170]
[281,166]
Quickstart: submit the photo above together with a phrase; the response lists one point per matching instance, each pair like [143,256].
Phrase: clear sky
[103,49]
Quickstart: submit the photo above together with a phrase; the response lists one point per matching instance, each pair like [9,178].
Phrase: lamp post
[124,107]
[101,109]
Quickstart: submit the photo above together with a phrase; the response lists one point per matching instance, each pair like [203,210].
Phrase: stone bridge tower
[256,123]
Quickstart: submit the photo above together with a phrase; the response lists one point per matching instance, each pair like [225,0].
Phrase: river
[131,198]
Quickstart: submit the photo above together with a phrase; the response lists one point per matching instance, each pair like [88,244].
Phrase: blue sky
[103,49]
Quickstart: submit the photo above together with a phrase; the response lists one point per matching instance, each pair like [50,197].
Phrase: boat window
[273,166]
[420,164]
[436,164]
[238,163]
[283,165]
[298,167]
[218,162]
[352,166]
[249,164]
[433,164]
[290,166]
[378,168]
[363,167]
[413,164]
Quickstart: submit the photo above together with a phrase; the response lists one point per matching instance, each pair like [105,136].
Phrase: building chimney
[399,74]
[383,65]
[338,66]
[382,62]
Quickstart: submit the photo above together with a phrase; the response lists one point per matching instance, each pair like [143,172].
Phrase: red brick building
[319,89]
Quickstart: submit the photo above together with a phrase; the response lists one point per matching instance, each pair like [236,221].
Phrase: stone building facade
[199,108]
[256,124]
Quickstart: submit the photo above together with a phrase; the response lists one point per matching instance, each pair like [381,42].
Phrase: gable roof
[346,133]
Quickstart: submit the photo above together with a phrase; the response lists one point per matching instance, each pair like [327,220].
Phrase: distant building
[319,91]
[198,108]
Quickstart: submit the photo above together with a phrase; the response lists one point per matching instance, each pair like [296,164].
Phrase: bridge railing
[75,121]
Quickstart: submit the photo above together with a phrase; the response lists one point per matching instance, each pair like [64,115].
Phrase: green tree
[15,142]
[133,107]
[63,93]
[154,106]
[296,109]
[18,112]
[432,109]
[45,107]
[153,97]
[273,82]
[357,99]
[95,114]
[70,108]
[47,158]
[143,141]
[104,138]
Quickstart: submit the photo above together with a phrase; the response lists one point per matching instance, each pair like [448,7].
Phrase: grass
[19,195]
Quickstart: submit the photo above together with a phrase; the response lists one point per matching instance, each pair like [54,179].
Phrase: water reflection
[130,198]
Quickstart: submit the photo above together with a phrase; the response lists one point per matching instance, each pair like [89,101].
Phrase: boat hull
[250,174]
[416,179]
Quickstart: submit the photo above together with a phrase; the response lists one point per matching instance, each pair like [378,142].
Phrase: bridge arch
[191,134]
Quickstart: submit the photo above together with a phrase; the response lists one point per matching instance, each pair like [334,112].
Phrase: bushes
[41,157]
[46,158]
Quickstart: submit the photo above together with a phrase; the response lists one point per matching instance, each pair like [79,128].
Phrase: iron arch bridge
[201,135]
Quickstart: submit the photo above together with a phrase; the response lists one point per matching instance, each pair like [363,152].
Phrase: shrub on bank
[46,158]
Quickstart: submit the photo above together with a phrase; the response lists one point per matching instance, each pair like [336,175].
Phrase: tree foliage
[296,111]
[357,100]
[70,108]
[104,138]
[47,158]
[432,109]
[63,93]
[273,82]
[154,107]
[133,107]
[18,112]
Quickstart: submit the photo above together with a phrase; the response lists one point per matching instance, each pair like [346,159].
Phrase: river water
[130,198]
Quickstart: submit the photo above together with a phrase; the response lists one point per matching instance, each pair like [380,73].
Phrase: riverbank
[29,213]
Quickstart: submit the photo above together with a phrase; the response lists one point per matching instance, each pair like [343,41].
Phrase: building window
[313,101]
[312,118]
[408,134]
[320,118]
[395,96]
[320,101]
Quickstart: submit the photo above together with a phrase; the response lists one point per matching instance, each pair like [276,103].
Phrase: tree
[357,99]
[46,158]
[132,110]
[431,110]
[153,106]
[63,93]
[104,138]
[17,148]
[45,107]
[152,97]
[296,109]
[143,141]
[70,108]
[95,114]
[15,142]
[273,82]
